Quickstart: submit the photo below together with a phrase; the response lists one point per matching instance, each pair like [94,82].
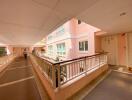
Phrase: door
[129,46]
[122,49]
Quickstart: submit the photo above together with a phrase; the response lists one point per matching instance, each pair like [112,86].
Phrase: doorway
[122,49]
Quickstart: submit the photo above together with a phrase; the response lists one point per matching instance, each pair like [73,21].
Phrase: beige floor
[18,82]
[87,89]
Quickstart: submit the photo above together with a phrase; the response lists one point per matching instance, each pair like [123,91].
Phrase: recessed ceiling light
[123,13]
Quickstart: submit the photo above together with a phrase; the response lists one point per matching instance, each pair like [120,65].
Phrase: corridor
[17,82]
[116,86]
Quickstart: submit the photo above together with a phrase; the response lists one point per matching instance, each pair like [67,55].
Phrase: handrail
[80,58]
[65,61]
[45,59]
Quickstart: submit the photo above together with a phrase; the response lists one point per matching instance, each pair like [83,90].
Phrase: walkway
[116,86]
[17,82]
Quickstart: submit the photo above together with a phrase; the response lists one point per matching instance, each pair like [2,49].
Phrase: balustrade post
[106,58]
[99,60]
[58,75]
[54,76]
[85,64]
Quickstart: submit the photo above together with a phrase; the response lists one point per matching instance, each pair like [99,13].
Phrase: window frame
[83,43]
[50,51]
[59,52]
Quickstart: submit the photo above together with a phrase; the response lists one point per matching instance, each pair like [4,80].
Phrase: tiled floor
[18,83]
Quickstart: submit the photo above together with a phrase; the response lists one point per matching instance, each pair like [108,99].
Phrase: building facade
[72,40]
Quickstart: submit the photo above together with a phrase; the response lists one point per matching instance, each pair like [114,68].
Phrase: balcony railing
[6,59]
[59,73]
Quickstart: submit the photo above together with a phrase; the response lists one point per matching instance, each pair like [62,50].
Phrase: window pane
[86,45]
[81,46]
[61,49]
[2,51]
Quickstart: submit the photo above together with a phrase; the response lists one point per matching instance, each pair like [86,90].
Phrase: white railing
[6,59]
[75,68]
[61,72]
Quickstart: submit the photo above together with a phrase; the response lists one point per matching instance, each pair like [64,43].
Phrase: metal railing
[60,73]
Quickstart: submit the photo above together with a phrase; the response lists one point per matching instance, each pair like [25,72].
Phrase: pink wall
[83,32]
[74,33]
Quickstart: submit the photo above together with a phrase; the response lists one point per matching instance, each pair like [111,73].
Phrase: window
[50,50]
[83,46]
[61,49]
[60,31]
[3,51]
[79,21]
[50,37]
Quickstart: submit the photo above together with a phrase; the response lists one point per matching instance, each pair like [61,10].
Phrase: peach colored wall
[98,44]
[19,50]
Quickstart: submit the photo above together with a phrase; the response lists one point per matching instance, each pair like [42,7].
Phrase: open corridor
[17,82]
[115,86]
[65,49]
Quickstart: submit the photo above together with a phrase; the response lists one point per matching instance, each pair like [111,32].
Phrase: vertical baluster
[72,69]
[99,61]
[85,64]
[53,76]
[58,75]
[78,68]
[69,71]
[90,63]
[66,71]
[106,58]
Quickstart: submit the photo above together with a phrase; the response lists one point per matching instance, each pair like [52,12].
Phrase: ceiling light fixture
[123,13]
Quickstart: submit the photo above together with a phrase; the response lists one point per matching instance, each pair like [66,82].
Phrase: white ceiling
[105,15]
[25,22]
